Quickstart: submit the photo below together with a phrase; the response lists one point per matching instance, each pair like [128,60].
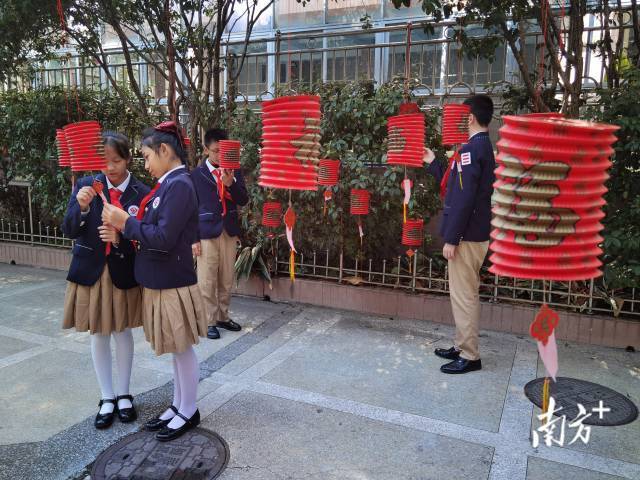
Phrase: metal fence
[428,275]
[34,234]
[302,60]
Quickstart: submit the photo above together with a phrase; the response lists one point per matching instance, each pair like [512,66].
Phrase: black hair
[153,138]
[481,107]
[119,142]
[214,135]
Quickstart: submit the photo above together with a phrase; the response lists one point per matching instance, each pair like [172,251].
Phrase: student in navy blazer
[102,294]
[465,227]
[219,228]
[172,307]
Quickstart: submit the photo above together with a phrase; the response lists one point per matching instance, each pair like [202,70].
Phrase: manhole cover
[568,392]
[197,455]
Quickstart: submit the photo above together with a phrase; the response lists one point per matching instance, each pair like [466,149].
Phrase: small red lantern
[64,155]
[455,124]
[272,214]
[85,145]
[328,172]
[412,236]
[359,206]
[359,202]
[406,137]
[229,154]
[328,175]
[187,142]
[412,232]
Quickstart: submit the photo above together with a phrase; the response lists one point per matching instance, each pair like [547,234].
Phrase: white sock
[101,355]
[124,361]
[168,413]
[189,375]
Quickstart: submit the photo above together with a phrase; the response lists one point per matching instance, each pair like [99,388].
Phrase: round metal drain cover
[569,392]
[197,455]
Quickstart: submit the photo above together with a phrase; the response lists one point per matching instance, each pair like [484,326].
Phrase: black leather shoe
[449,353]
[157,423]
[127,415]
[461,365]
[213,333]
[229,325]
[167,434]
[104,420]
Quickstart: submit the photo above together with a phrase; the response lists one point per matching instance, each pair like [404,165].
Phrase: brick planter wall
[502,317]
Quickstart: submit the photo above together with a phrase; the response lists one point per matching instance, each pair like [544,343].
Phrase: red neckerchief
[222,191]
[145,200]
[447,173]
[114,197]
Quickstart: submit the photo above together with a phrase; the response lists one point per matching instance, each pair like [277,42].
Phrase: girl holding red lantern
[172,308]
[103,296]
[467,185]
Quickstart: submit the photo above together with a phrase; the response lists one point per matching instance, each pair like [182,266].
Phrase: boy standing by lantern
[466,186]
[219,228]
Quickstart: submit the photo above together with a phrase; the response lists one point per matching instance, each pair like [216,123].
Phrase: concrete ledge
[587,329]
[34,256]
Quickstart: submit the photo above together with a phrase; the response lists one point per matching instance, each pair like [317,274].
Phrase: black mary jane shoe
[167,434]
[104,420]
[127,415]
[157,423]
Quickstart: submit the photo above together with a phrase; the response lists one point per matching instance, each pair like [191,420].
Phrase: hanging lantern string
[404,204]
[407,62]
[546,383]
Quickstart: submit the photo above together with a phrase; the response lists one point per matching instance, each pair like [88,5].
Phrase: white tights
[185,387]
[101,354]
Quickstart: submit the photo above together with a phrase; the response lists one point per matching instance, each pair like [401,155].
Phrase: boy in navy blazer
[219,228]
[465,227]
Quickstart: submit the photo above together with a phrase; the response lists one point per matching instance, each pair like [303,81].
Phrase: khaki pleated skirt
[173,318]
[102,308]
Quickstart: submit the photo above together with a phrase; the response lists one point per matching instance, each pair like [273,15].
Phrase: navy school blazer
[89,256]
[467,210]
[165,234]
[211,221]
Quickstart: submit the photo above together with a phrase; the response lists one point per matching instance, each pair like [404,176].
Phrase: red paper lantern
[359,202]
[64,155]
[405,141]
[272,214]
[229,154]
[548,197]
[328,172]
[455,124]
[412,232]
[85,145]
[291,143]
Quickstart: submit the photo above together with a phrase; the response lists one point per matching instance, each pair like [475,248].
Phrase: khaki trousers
[215,275]
[464,285]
